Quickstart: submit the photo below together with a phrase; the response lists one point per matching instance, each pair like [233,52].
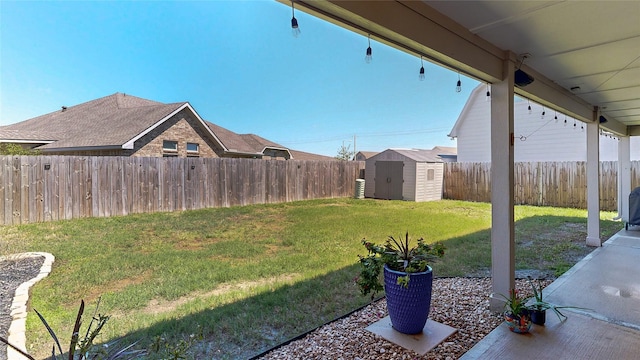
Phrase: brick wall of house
[183,128]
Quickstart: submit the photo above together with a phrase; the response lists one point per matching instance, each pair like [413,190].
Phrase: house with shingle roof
[364,155]
[125,125]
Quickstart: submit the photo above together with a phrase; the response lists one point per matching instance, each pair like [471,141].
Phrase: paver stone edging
[18,310]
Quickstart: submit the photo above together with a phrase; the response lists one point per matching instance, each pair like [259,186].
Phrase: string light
[555,117]
[295,30]
[581,126]
[574,124]
[565,120]
[543,112]
[488,98]
[367,57]
[459,84]
[421,75]
[529,107]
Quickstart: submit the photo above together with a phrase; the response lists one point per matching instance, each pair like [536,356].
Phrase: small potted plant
[408,279]
[517,314]
[538,308]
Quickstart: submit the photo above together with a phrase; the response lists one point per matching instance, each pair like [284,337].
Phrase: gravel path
[13,272]
[462,303]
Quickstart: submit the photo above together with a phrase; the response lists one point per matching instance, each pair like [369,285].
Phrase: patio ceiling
[584,54]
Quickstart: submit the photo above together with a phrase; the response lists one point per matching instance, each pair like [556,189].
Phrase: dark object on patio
[634,208]
[538,317]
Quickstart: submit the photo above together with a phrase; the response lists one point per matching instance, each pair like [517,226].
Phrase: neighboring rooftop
[117,120]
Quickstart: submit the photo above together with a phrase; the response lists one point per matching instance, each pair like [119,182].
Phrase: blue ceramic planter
[408,307]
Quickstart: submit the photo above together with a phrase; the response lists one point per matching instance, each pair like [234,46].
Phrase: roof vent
[64,108]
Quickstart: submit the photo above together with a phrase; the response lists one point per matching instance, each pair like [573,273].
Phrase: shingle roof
[109,121]
[367,154]
[419,155]
[232,141]
[445,150]
[114,120]
[301,155]
[18,135]
[242,143]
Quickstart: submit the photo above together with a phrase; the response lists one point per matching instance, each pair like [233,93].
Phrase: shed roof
[418,155]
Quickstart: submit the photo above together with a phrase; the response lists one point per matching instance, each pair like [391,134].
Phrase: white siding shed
[404,174]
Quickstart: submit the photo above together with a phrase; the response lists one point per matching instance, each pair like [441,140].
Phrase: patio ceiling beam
[420,30]
[416,28]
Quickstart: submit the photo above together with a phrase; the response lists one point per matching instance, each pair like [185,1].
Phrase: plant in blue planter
[408,279]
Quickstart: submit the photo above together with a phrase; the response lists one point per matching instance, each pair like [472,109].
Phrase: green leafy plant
[16,149]
[515,304]
[84,348]
[539,304]
[175,350]
[398,255]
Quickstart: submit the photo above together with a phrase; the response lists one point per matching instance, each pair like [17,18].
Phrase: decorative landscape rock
[462,303]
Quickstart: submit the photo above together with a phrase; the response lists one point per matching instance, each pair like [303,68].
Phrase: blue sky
[236,62]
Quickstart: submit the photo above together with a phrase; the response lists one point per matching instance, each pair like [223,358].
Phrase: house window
[169,155]
[193,148]
[431,174]
[170,146]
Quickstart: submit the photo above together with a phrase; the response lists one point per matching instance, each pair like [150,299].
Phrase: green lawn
[246,278]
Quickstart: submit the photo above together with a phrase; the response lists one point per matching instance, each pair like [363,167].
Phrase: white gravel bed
[462,303]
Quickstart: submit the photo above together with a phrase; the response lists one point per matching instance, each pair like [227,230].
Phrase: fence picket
[49,188]
[560,184]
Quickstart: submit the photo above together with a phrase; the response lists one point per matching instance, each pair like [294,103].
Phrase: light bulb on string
[529,107]
[421,75]
[459,84]
[295,29]
[565,120]
[543,112]
[582,126]
[555,117]
[368,56]
[488,97]
[574,124]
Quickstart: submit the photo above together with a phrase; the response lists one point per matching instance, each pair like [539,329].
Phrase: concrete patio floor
[607,282]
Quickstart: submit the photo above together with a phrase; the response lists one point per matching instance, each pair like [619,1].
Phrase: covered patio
[580,58]
[607,283]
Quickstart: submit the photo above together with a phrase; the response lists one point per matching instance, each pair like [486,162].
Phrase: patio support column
[502,184]
[624,177]
[593,181]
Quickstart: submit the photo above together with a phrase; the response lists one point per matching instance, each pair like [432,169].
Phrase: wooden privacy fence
[562,184]
[45,188]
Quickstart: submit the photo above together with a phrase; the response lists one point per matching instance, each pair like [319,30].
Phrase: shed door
[388,180]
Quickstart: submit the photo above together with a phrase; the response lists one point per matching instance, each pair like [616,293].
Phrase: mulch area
[13,272]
